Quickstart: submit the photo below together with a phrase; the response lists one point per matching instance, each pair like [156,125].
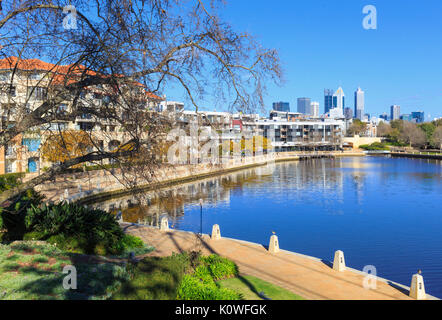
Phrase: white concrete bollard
[164,224]
[274,244]
[216,233]
[339,261]
[417,288]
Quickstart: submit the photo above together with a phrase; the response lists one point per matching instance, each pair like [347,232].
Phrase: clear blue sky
[322,44]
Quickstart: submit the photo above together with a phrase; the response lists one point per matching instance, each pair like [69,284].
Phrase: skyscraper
[314,109]
[348,113]
[339,99]
[359,103]
[304,105]
[328,100]
[338,104]
[395,112]
[281,106]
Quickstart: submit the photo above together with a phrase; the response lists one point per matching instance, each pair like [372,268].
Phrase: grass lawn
[250,288]
[34,271]
[154,279]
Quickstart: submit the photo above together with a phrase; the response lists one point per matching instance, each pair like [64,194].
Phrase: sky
[322,44]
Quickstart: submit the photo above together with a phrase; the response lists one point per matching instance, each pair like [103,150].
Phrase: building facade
[281,106]
[395,112]
[314,108]
[418,116]
[328,100]
[304,106]
[29,82]
[359,103]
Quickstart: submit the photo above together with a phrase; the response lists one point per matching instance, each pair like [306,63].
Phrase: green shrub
[10,180]
[192,288]
[374,146]
[12,218]
[33,235]
[201,285]
[132,242]
[219,267]
[76,228]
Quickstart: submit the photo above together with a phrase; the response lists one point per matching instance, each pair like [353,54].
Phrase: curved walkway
[309,277]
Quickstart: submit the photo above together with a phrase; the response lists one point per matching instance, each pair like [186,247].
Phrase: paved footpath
[310,278]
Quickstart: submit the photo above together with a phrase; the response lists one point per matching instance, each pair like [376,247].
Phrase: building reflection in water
[323,175]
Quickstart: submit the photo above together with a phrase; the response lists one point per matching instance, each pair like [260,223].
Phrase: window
[59,126]
[62,108]
[35,76]
[37,93]
[9,90]
[9,167]
[5,76]
[86,126]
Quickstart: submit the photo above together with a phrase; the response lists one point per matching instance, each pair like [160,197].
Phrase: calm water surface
[380,211]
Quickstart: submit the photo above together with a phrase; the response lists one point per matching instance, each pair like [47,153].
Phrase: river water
[380,211]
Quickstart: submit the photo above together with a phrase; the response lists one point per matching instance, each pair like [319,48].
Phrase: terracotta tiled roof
[60,72]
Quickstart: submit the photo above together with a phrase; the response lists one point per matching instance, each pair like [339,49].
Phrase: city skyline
[375,60]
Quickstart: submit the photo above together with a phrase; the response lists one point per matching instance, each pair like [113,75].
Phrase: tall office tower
[304,105]
[338,104]
[328,100]
[339,99]
[418,116]
[348,113]
[314,109]
[384,116]
[395,112]
[359,103]
[281,106]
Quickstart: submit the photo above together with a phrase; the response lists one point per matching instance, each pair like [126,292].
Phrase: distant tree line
[427,135]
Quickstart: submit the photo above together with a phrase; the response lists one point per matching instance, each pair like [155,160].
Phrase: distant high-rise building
[406,117]
[384,116]
[304,105]
[281,106]
[359,103]
[395,112]
[348,113]
[366,117]
[328,100]
[338,103]
[418,116]
[314,109]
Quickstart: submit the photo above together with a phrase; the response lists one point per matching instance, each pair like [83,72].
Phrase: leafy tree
[357,127]
[129,52]
[428,128]
[437,137]
[66,145]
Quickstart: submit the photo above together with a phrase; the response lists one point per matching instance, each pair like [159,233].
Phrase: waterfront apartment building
[304,106]
[281,106]
[359,103]
[303,134]
[395,112]
[26,84]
